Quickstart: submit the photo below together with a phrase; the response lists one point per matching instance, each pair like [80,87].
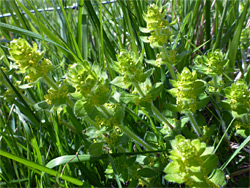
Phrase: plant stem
[194,124]
[157,114]
[141,93]
[128,131]
[135,137]
[170,68]
[90,121]
[223,136]
[50,82]
[160,117]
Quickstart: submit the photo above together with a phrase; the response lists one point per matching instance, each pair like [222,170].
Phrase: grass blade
[36,166]
[235,153]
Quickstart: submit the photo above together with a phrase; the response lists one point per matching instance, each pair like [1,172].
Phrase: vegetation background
[47,146]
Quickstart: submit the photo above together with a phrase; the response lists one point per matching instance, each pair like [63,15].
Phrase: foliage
[124,93]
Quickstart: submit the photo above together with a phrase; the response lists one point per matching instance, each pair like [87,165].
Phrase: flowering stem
[135,137]
[90,121]
[160,116]
[136,85]
[127,131]
[50,82]
[170,68]
[194,124]
[157,114]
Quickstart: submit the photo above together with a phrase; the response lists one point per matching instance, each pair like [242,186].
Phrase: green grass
[71,142]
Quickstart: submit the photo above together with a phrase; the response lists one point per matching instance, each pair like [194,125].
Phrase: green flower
[25,56]
[211,64]
[29,60]
[186,90]
[191,163]
[245,38]
[57,97]
[80,78]
[238,97]
[157,25]
[129,67]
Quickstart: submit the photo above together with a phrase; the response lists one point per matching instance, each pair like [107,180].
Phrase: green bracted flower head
[154,14]
[157,25]
[168,59]
[238,96]
[41,70]
[186,90]
[80,78]
[129,67]
[211,64]
[24,55]
[245,38]
[57,97]
[186,150]
[189,164]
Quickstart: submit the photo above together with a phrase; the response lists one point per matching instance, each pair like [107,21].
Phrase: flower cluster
[245,38]
[189,163]
[162,59]
[129,67]
[88,85]
[238,97]
[157,25]
[211,64]
[186,90]
[57,97]
[28,59]
[240,125]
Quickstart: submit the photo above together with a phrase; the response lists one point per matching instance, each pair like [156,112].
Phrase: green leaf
[42,105]
[41,168]
[147,74]
[128,98]
[177,178]
[156,90]
[218,177]
[173,92]
[151,62]
[171,107]
[242,133]
[202,103]
[96,149]
[224,104]
[83,108]
[209,164]
[150,137]
[233,48]
[144,39]
[146,172]
[119,82]
[144,30]
[199,86]
[172,168]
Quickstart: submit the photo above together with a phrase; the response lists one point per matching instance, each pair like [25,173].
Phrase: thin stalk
[129,132]
[215,83]
[135,137]
[157,114]
[101,37]
[53,84]
[50,82]
[218,145]
[160,117]
[194,124]
[90,121]
[170,68]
